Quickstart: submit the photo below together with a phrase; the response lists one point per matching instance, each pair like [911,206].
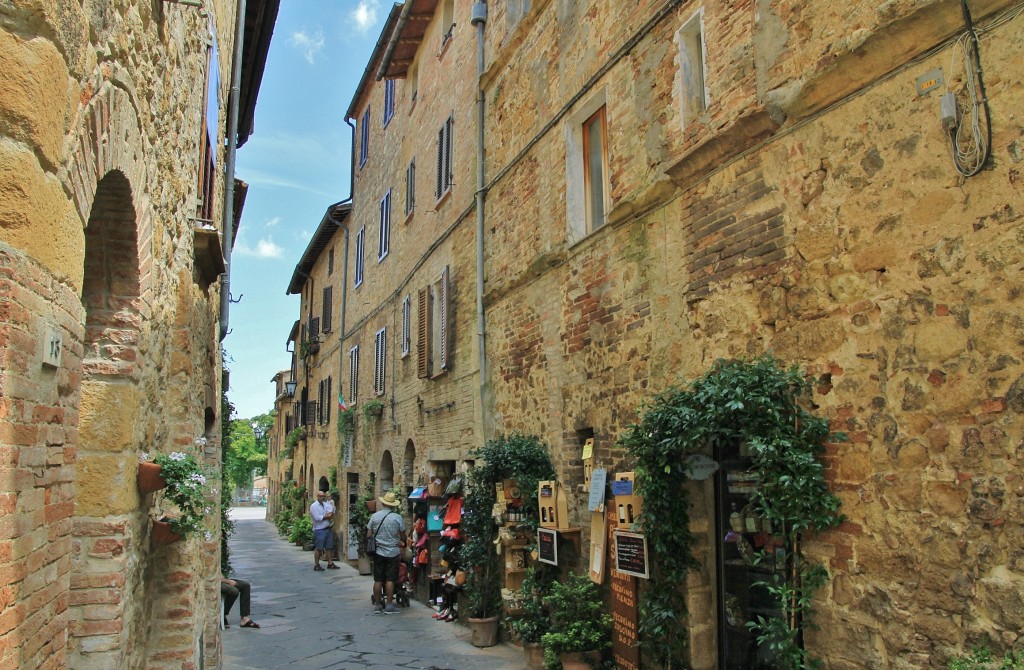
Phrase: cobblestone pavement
[323,620]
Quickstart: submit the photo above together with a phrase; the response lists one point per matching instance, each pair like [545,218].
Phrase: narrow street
[324,620]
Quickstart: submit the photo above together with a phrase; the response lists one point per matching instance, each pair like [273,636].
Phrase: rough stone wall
[100,111]
[846,244]
[424,419]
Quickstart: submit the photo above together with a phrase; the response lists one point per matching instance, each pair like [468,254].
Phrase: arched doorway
[386,472]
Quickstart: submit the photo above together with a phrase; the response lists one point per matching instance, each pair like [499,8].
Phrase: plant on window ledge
[188,489]
[372,409]
[346,421]
[308,348]
[291,440]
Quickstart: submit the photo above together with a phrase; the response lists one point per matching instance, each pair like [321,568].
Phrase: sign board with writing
[547,546]
[625,612]
[631,554]
[598,480]
[700,467]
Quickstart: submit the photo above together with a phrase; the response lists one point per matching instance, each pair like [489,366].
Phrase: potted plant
[302,532]
[187,488]
[346,420]
[580,628]
[533,620]
[372,409]
[482,602]
[359,517]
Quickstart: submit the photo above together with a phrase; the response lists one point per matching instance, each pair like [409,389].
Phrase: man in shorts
[388,527]
[322,513]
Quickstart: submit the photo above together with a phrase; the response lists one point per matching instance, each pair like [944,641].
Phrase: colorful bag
[453,515]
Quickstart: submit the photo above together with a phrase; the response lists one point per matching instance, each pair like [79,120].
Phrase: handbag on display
[453,512]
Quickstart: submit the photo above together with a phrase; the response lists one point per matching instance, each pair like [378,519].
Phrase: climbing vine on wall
[757,402]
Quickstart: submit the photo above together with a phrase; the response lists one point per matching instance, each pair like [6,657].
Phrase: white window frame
[380,355]
[353,374]
[406,325]
[384,231]
[360,250]
[389,100]
[444,158]
[364,137]
[575,180]
[691,80]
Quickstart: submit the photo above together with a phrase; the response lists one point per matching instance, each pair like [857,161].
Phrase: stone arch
[386,472]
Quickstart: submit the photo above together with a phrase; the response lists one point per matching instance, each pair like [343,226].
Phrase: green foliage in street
[981,658]
[247,455]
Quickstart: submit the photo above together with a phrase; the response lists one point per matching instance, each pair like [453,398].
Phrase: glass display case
[749,555]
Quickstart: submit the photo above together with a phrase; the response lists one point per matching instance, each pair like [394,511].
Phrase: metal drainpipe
[344,263]
[229,168]
[479,19]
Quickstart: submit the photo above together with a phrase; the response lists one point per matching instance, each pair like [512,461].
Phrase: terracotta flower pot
[150,478]
[485,631]
[579,660]
[534,654]
[162,534]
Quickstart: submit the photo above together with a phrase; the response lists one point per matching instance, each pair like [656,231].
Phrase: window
[444,157]
[327,402]
[389,100]
[380,353]
[330,262]
[353,373]
[432,329]
[360,249]
[692,75]
[320,402]
[314,329]
[384,232]
[447,20]
[364,137]
[595,172]
[406,325]
[410,187]
[587,194]
[325,321]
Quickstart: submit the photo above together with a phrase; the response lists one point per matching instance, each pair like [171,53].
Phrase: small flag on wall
[341,403]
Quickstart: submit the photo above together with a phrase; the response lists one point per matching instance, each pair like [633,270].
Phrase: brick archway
[103,177]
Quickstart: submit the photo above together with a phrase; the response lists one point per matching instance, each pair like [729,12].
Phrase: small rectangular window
[444,157]
[325,321]
[384,232]
[360,249]
[330,262]
[692,79]
[353,374]
[595,169]
[380,361]
[406,325]
[389,100]
[364,137]
[447,20]
[410,187]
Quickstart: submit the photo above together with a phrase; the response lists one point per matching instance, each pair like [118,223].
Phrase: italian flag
[341,403]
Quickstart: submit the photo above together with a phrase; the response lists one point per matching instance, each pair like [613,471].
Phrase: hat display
[389,499]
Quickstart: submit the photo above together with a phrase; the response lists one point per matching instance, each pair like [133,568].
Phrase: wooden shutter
[320,403]
[353,374]
[310,413]
[314,328]
[423,334]
[448,128]
[443,326]
[440,163]
[380,361]
[328,402]
[328,308]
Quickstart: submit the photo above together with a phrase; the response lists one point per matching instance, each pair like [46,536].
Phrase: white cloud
[364,16]
[309,44]
[265,248]
[273,222]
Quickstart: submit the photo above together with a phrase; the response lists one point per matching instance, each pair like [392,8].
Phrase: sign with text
[625,613]
[598,483]
[700,467]
[547,546]
[631,554]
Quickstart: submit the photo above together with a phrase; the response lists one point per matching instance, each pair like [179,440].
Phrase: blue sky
[296,164]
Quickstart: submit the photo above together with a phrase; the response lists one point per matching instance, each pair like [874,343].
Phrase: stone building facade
[110,199]
[774,181]
[672,182]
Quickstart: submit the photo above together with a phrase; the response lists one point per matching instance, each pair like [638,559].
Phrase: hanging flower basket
[162,534]
[150,478]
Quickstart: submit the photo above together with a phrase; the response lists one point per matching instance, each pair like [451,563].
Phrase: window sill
[445,42]
[444,197]
[408,217]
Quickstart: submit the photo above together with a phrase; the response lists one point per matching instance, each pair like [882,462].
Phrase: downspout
[479,19]
[229,168]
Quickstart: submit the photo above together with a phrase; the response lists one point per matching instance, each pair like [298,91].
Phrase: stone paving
[324,619]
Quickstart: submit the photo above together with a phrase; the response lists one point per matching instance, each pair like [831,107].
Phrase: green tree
[247,455]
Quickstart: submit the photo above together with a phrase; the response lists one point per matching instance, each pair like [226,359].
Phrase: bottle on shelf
[736,520]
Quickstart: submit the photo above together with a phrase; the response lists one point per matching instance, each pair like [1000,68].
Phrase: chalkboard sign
[631,554]
[547,546]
